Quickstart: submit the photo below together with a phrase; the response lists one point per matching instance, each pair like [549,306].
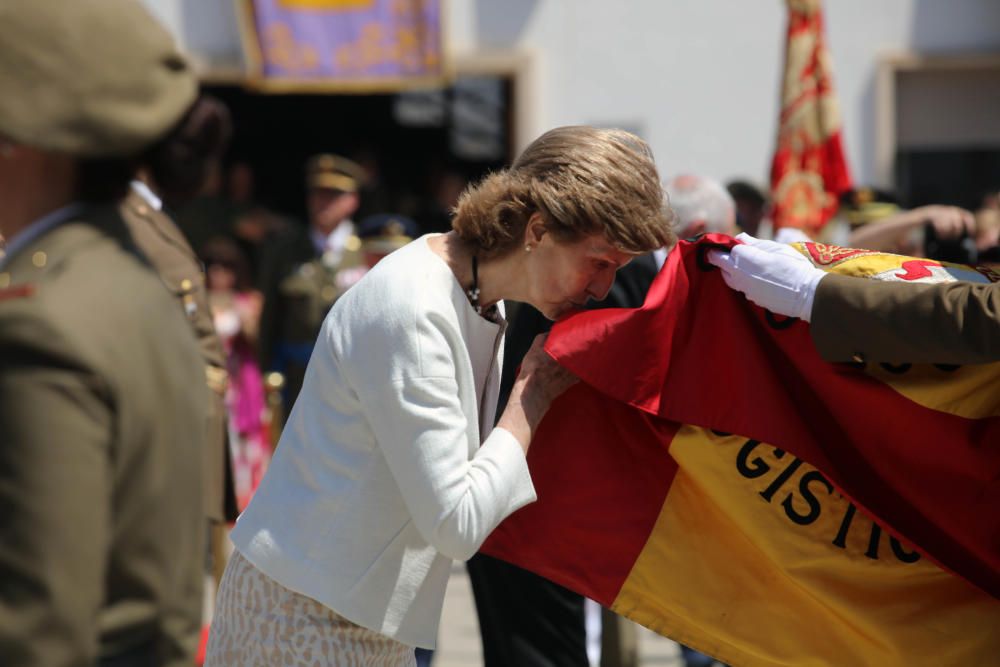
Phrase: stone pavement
[459,646]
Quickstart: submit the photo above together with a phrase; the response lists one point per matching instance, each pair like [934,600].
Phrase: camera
[960,250]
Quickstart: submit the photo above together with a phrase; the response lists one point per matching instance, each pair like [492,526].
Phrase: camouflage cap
[334,173]
[94,79]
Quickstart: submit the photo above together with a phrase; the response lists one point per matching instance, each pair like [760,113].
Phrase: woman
[389,466]
[236,310]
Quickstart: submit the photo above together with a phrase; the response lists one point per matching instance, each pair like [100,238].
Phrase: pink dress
[249,443]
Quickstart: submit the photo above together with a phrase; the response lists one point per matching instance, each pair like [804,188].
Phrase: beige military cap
[89,78]
[334,172]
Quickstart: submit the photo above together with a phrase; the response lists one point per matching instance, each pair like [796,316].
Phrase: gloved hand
[773,275]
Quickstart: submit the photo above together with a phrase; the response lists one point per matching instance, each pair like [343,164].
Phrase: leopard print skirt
[258,621]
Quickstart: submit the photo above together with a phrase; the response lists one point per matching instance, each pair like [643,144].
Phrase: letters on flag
[714,480]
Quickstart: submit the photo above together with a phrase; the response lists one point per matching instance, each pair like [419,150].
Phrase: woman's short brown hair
[224,251]
[582,180]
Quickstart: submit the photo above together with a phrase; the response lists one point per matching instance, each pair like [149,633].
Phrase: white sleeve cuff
[809,295]
[503,448]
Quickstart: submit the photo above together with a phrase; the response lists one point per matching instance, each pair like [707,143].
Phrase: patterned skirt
[258,621]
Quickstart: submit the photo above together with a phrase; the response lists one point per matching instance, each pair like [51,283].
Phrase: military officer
[309,268]
[201,136]
[102,389]
[383,233]
[180,270]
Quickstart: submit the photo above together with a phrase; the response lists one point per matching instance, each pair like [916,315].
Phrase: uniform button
[39,259]
[186,285]
[858,358]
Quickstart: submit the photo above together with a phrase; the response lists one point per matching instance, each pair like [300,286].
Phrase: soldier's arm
[55,500]
[955,323]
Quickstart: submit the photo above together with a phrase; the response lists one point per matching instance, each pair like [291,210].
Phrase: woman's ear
[534,230]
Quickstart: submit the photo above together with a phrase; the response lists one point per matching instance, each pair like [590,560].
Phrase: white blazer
[382,476]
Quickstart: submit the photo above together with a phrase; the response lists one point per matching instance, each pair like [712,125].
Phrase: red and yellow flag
[809,171]
[714,480]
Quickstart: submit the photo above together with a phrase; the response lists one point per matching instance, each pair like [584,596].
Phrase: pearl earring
[527,248]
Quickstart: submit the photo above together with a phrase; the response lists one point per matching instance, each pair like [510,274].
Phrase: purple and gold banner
[359,45]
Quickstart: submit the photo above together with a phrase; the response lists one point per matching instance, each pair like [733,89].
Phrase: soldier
[383,233]
[102,391]
[204,133]
[306,270]
[180,271]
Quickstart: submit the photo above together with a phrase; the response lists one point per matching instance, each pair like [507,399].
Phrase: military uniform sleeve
[866,320]
[56,422]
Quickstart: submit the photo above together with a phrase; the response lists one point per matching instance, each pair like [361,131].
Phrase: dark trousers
[525,620]
[143,655]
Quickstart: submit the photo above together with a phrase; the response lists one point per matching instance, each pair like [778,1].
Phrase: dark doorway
[408,141]
[959,177]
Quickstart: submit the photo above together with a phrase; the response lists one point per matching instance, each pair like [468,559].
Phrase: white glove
[772,275]
[790,235]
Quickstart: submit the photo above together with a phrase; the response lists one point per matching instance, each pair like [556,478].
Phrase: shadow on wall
[956,26]
[501,23]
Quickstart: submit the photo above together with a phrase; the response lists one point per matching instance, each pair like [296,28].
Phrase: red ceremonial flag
[809,171]
[712,478]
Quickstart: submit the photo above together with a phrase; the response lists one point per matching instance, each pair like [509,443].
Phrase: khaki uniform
[300,285]
[870,320]
[163,244]
[299,290]
[102,401]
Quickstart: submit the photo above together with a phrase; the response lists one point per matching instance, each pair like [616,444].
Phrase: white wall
[699,79]
[208,29]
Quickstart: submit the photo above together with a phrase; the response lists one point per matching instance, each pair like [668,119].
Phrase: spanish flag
[716,481]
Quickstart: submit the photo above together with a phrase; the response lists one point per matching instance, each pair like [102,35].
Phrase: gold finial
[274,381]
[863,196]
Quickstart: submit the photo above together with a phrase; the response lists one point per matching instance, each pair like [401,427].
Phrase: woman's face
[220,277]
[565,275]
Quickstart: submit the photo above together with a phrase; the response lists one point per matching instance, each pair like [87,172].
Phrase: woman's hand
[538,383]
